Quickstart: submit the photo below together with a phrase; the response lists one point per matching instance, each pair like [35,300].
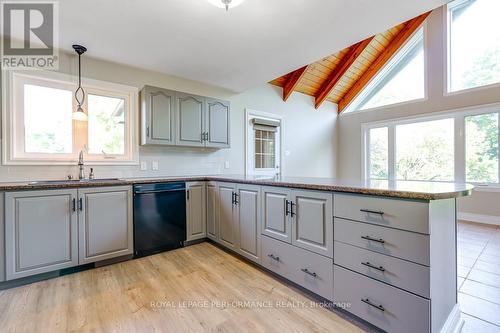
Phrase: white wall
[350,157]
[309,133]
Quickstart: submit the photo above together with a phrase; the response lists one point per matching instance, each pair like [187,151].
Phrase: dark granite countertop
[398,189]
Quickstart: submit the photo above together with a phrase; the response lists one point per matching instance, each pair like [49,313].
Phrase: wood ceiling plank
[406,32]
[346,62]
[292,82]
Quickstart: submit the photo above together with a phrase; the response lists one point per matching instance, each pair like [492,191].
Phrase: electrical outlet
[226,165]
[154,165]
[144,166]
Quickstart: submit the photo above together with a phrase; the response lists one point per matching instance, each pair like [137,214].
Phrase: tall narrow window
[425,150]
[481,148]
[401,80]
[263,145]
[378,153]
[474,43]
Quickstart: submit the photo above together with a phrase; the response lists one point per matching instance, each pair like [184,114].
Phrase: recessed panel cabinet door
[211,190]
[158,116]
[275,219]
[105,223]
[40,232]
[248,218]
[190,120]
[312,221]
[227,215]
[217,123]
[196,211]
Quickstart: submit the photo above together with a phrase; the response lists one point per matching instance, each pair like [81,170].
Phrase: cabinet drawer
[400,273]
[394,213]
[397,243]
[309,270]
[386,307]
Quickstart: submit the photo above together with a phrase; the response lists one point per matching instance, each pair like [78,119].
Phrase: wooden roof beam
[410,27]
[293,81]
[338,72]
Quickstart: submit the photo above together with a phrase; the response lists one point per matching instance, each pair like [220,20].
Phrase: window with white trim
[473,44]
[460,146]
[41,129]
[401,80]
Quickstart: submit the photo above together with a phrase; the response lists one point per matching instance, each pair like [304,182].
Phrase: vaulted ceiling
[340,77]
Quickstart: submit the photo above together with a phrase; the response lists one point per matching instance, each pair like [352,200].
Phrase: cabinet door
[157,116]
[217,123]
[211,190]
[275,219]
[40,232]
[190,120]
[227,226]
[105,223]
[196,211]
[248,218]
[312,221]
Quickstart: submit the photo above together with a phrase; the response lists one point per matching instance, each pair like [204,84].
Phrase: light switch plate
[154,165]
[144,166]
[226,165]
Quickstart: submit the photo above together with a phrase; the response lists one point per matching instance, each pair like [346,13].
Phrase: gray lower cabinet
[212,204]
[217,123]
[196,211]
[248,211]
[158,116]
[41,232]
[227,215]
[105,223]
[275,215]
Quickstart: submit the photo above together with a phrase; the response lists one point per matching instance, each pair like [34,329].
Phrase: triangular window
[401,80]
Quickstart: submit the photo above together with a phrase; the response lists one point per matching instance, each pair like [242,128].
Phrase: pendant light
[79,113]
[226,3]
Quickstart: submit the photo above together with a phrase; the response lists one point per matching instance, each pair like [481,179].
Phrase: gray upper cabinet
[227,215]
[217,123]
[105,223]
[275,219]
[212,203]
[248,203]
[190,120]
[312,221]
[158,116]
[196,211]
[173,118]
[41,233]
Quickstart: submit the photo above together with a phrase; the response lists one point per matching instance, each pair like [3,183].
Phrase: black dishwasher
[159,217]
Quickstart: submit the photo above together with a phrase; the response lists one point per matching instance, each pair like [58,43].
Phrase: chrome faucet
[81,174]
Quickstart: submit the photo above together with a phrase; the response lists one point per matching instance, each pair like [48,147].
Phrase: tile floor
[479,276]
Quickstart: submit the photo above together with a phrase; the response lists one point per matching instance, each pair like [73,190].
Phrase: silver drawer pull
[378,307]
[380,240]
[272,256]
[380,268]
[369,211]
[305,270]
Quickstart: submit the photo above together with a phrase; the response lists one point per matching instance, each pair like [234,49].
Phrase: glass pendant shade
[79,114]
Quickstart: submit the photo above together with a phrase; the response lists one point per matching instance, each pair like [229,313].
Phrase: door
[105,223]
[196,211]
[312,221]
[276,220]
[190,120]
[211,191]
[158,116]
[40,232]
[217,123]
[227,226]
[248,204]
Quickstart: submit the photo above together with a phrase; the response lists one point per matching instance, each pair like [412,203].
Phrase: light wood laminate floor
[168,292]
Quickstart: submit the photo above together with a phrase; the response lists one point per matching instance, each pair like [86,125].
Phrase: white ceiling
[245,47]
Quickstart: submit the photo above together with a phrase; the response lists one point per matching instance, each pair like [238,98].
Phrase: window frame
[13,114]
[458,115]
[447,54]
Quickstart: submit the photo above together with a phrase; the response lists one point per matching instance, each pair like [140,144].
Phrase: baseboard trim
[454,322]
[479,218]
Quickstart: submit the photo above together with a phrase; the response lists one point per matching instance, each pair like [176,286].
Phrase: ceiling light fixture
[79,113]
[226,3]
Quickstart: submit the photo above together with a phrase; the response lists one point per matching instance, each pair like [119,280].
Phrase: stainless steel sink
[72,181]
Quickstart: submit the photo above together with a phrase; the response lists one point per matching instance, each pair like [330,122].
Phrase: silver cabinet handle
[378,307]
[379,268]
[380,240]
[369,211]
[305,270]
[272,256]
